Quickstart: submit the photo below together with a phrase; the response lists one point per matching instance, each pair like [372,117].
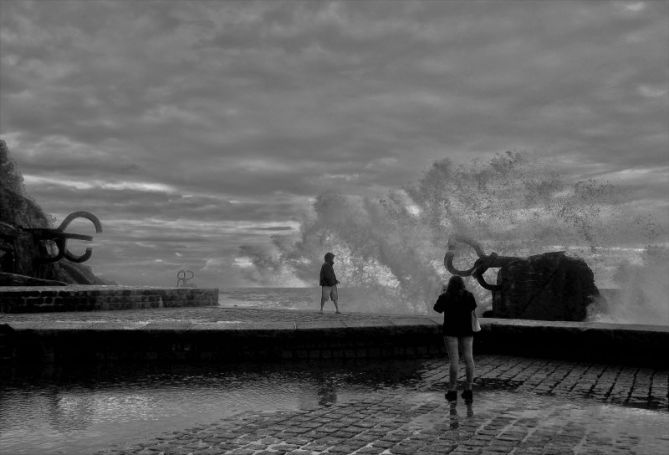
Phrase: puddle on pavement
[83,411]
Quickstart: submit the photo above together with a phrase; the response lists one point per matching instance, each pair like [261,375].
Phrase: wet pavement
[521,405]
[422,423]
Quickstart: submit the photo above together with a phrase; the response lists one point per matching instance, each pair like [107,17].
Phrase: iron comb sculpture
[30,256]
[547,286]
[482,264]
[59,238]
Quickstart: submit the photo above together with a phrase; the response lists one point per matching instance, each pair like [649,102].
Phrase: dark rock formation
[549,286]
[19,249]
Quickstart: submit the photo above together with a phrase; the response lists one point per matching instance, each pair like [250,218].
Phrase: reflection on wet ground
[391,405]
[501,421]
[454,421]
[76,411]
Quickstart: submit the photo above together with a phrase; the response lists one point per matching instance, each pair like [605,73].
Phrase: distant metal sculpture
[184,278]
[483,263]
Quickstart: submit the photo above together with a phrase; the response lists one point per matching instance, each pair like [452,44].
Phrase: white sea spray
[391,248]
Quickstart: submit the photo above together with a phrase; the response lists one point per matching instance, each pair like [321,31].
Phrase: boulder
[549,286]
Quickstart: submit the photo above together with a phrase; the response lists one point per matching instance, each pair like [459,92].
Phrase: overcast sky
[193,127]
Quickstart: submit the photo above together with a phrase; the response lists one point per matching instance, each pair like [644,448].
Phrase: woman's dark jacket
[457,309]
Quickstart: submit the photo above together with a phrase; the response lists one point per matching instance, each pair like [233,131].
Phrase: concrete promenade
[523,405]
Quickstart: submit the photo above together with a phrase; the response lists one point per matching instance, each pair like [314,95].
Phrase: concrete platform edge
[207,341]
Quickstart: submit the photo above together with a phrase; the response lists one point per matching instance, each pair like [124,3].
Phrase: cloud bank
[192,128]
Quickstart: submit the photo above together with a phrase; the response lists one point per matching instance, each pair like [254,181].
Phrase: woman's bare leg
[453,360]
[468,354]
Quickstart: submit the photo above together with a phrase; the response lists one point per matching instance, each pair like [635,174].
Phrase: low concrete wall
[77,345]
[39,299]
[588,341]
[207,341]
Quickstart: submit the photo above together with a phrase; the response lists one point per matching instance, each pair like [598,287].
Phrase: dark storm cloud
[243,111]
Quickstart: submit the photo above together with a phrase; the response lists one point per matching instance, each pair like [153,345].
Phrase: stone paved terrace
[522,405]
[419,421]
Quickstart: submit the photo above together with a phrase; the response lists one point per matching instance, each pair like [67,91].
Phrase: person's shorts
[329,292]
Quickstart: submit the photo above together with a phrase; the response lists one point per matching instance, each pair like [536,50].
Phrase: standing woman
[457,304]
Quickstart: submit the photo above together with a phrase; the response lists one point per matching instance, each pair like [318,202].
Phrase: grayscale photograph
[334,227]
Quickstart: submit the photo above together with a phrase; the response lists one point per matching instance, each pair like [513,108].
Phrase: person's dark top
[457,311]
[328,277]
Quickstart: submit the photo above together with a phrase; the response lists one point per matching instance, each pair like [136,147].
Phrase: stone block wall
[201,342]
[37,299]
[80,345]
[583,341]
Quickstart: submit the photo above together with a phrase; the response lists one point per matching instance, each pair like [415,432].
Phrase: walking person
[457,304]
[329,282]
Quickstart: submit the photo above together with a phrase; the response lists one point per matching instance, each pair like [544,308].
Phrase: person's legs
[334,297]
[468,354]
[325,295]
[453,363]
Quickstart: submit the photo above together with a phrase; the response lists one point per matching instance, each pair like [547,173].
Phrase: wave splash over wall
[390,249]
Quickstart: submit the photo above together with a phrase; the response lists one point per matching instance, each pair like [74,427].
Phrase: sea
[270,298]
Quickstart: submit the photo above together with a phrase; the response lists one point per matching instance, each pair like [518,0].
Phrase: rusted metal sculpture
[548,286]
[31,250]
[483,263]
[59,238]
[26,252]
